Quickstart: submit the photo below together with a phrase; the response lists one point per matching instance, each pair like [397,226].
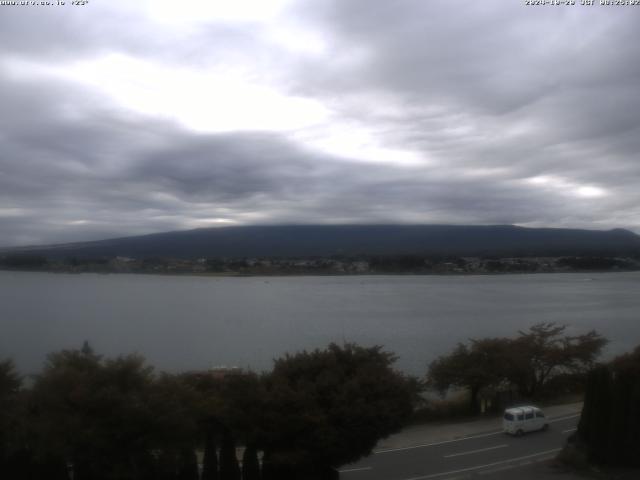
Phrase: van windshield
[508,416]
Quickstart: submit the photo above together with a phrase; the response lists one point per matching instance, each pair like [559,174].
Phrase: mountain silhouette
[353,240]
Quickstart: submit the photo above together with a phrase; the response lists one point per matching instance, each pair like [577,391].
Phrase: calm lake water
[181,322]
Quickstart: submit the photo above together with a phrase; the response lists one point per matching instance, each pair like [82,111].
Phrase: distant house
[221,372]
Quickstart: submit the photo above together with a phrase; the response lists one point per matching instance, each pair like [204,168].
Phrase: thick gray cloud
[510,114]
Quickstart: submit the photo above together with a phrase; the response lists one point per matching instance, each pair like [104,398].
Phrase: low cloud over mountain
[123,118]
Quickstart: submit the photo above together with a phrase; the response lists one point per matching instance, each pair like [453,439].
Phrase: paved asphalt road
[484,455]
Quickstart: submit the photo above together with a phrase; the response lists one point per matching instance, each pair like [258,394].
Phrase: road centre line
[475,451]
[470,437]
[564,418]
[501,468]
[388,450]
[355,469]
[570,430]
[478,467]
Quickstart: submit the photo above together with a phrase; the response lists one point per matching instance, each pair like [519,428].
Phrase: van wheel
[519,433]
[545,427]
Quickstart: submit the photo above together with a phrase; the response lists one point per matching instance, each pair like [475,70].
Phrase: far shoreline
[319,275]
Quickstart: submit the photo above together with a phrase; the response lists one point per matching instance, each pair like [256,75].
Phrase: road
[487,455]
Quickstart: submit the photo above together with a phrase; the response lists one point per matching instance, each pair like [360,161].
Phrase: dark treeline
[88,417]
[333,265]
[609,428]
[24,261]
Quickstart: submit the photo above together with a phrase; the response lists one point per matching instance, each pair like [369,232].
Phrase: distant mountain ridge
[352,240]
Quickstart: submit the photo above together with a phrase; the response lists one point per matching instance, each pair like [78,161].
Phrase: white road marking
[387,450]
[478,467]
[564,418]
[496,470]
[355,469]
[475,451]
[570,430]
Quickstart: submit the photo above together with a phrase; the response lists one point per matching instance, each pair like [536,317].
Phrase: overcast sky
[129,117]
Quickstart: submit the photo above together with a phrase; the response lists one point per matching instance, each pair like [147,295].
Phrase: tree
[10,380]
[609,427]
[543,352]
[229,468]
[23,261]
[596,414]
[188,464]
[481,364]
[250,464]
[529,361]
[330,407]
[107,416]
[10,383]
[210,458]
[230,405]
[167,465]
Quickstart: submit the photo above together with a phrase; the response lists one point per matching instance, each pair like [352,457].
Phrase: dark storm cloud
[521,115]
[101,178]
[492,56]
[535,91]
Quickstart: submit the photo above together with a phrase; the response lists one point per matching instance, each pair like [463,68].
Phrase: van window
[528,416]
[520,417]
[508,416]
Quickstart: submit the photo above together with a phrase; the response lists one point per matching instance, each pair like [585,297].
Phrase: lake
[182,322]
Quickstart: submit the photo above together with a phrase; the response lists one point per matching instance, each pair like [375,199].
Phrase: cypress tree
[590,426]
[273,469]
[610,421]
[188,465]
[21,465]
[584,424]
[54,468]
[600,419]
[229,468]
[268,472]
[210,459]
[250,464]
[618,426]
[146,467]
[633,439]
[625,449]
[82,470]
[167,465]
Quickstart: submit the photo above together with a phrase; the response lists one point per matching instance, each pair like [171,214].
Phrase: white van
[519,420]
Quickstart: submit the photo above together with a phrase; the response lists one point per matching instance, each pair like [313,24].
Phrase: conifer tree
[188,465]
[250,464]
[610,421]
[229,468]
[10,383]
[167,466]
[210,459]
[598,420]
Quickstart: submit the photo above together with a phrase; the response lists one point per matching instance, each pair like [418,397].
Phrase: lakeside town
[339,265]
